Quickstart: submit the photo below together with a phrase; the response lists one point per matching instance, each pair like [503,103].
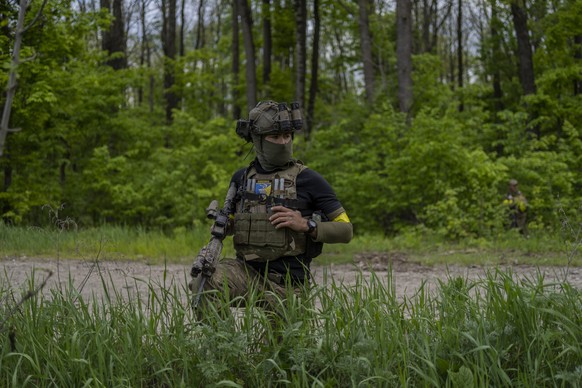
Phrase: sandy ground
[132,278]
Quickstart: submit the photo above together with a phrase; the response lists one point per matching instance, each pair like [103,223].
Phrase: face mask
[271,155]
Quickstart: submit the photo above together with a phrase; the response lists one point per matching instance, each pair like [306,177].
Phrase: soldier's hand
[288,218]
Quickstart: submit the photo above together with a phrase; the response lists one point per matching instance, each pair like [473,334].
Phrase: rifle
[205,262]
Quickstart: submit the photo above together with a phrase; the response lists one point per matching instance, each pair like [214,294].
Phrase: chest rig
[255,238]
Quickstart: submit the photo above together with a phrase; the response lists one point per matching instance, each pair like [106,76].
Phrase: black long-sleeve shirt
[317,193]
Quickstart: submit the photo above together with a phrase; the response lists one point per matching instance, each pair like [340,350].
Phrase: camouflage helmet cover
[265,118]
[269,117]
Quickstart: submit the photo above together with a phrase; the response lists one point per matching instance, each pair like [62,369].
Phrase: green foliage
[96,140]
[172,187]
[197,75]
[548,177]
[63,105]
[424,173]
[428,89]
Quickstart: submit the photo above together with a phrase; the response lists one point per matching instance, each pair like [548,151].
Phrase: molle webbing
[291,203]
[255,238]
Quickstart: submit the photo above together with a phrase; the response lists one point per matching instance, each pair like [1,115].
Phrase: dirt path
[134,277]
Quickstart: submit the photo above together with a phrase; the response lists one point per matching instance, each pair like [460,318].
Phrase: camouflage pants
[519,221]
[239,281]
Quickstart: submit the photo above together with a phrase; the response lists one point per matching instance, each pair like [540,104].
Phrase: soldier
[281,215]
[517,205]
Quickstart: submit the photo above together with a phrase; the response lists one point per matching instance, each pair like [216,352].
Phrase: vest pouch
[263,233]
[242,229]
[255,238]
[313,248]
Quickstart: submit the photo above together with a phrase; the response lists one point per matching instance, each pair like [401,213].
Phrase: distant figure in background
[517,207]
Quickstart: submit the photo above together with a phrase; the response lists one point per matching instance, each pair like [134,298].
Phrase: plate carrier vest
[255,238]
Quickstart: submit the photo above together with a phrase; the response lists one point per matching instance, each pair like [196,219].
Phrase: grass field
[497,331]
[492,332]
[180,246]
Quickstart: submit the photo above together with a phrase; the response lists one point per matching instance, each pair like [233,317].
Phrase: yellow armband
[342,218]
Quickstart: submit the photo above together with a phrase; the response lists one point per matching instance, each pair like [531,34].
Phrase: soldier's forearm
[334,232]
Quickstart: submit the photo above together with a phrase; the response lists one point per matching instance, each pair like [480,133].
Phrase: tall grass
[181,245]
[497,331]
[107,242]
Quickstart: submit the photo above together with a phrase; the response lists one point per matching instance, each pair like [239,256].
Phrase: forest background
[417,112]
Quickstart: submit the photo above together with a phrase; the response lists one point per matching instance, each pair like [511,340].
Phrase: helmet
[512,182]
[270,117]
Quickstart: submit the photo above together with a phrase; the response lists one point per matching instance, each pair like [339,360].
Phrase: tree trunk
[366,49]
[495,54]
[438,23]
[524,50]
[7,183]
[404,54]
[200,26]
[114,42]
[235,61]
[145,58]
[415,15]
[152,83]
[142,48]
[11,87]
[314,70]
[300,50]
[340,76]
[451,56]
[221,99]
[249,45]
[169,47]
[182,49]
[426,24]
[578,56]
[267,42]
[460,66]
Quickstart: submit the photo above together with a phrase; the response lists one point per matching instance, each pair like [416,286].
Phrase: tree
[169,48]
[267,41]
[145,56]
[314,70]
[524,49]
[11,87]
[235,61]
[431,18]
[578,56]
[366,49]
[249,45]
[200,26]
[300,49]
[182,48]
[404,54]
[113,41]
[495,25]
[461,69]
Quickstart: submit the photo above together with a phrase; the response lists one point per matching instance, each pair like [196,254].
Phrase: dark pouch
[313,248]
